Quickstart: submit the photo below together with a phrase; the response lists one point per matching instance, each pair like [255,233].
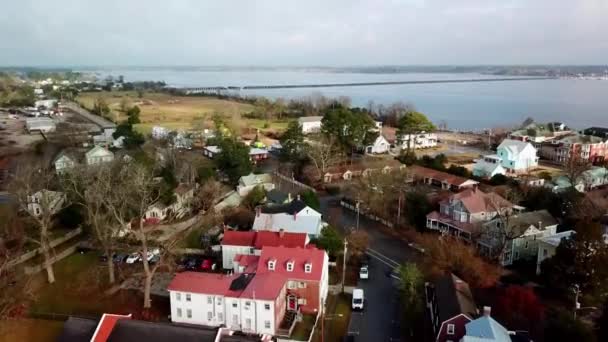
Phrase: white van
[358,299]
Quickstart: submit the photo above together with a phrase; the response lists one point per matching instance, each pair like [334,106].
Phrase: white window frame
[179,312]
[308,267]
[209,316]
[266,324]
[178,296]
[291,285]
[188,297]
[209,300]
[189,313]
[267,307]
[290,265]
[451,328]
[272,265]
[301,285]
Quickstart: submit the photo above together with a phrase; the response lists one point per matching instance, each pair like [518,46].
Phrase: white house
[517,156]
[295,217]
[249,182]
[184,193]
[547,246]
[98,155]
[45,103]
[64,162]
[516,237]
[380,145]
[488,167]
[310,124]
[40,124]
[52,201]
[419,140]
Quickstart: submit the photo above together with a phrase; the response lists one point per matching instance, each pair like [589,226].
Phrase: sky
[302,33]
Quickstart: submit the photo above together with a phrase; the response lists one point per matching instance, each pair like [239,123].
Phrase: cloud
[315,32]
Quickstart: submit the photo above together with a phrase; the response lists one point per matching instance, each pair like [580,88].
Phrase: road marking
[383,258]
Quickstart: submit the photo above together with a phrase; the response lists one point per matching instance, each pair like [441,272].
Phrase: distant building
[295,217]
[51,201]
[66,160]
[98,155]
[45,103]
[380,146]
[40,124]
[443,180]
[417,141]
[517,156]
[488,167]
[600,132]
[451,306]
[588,147]
[548,245]
[310,124]
[255,154]
[249,182]
[539,133]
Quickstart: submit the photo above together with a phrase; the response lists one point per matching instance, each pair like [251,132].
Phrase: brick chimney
[487,311]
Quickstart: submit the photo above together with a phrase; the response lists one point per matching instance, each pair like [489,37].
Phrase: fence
[364,213]
[66,252]
[312,333]
[294,182]
[56,242]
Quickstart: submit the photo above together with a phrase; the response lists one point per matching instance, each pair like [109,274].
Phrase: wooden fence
[63,254]
[56,242]
[294,182]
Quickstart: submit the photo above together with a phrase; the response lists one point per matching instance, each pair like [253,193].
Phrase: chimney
[540,225]
[295,216]
[281,233]
[258,210]
[487,311]
[298,197]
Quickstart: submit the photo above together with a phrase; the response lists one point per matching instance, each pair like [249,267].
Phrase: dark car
[192,263]
[120,257]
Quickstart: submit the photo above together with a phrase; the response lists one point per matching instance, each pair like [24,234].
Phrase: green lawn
[302,330]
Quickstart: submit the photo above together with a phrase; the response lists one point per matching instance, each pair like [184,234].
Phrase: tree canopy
[234,159]
[292,143]
[412,122]
[330,241]
[351,127]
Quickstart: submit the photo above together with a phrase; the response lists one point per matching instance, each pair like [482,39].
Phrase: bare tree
[33,187]
[137,191]
[323,154]
[207,195]
[91,189]
[575,166]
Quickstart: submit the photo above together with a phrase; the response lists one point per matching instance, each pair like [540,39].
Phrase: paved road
[380,321]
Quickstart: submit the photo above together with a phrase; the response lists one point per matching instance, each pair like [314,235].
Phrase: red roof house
[105,326]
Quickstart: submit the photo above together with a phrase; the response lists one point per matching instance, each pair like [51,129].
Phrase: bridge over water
[197,90]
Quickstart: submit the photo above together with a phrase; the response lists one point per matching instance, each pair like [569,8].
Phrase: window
[209,300]
[450,329]
[271,264]
[188,297]
[290,266]
[301,301]
[189,313]
[301,285]
[218,300]
[178,296]
[179,312]
[235,319]
[247,305]
[308,267]
[544,252]
[209,315]
[220,317]
[267,324]
[526,245]
[235,304]
[266,307]
[248,324]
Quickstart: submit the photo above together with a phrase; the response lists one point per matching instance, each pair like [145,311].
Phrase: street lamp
[344,263]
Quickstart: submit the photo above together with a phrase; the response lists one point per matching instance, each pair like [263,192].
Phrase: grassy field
[179,112]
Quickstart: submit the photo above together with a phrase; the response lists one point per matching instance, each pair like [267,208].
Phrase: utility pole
[344,263]
[577,305]
[358,205]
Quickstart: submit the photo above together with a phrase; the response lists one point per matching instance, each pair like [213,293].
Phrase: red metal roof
[275,239]
[236,238]
[439,175]
[300,256]
[105,327]
[206,283]
[250,262]
[265,286]
[260,239]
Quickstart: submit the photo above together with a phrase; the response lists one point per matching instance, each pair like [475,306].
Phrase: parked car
[364,272]
[133,258]
[208,265]
[120,257]
[358,299]
[191,263]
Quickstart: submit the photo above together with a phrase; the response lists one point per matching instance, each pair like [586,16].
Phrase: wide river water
[464,106]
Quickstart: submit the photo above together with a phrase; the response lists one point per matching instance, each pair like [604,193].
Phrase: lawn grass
[302,330]
[39,330]
[180,112]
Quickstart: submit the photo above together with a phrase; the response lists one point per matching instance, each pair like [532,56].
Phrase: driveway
[380,320]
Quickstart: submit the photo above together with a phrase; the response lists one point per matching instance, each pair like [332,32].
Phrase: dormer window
[308,267]
[290,265]
[271,264]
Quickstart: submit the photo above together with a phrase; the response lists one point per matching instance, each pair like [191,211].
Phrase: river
[465,106]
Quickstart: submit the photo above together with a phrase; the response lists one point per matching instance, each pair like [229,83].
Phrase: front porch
[445,225]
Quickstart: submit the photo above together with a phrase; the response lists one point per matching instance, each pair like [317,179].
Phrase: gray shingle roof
[454,297]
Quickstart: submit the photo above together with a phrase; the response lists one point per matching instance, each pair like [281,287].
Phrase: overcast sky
[311,32]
